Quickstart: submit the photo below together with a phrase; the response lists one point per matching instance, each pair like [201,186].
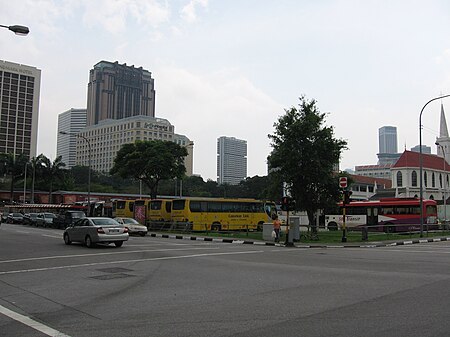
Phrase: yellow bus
[159,210]
[200,214]
[123,208]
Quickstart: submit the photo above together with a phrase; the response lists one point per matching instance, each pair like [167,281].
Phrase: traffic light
[287,204]
[347,195]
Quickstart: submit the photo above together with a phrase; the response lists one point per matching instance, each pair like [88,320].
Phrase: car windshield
[16,214]
[130,221]
[77,215]
[49,215]
[105,222]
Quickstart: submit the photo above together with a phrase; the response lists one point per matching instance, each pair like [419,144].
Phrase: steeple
[443,142]
[443,131]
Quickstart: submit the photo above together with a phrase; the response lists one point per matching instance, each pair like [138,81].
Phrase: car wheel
[88,242]
[67,239]
[118,243]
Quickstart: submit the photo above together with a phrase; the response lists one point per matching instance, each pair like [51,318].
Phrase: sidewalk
[299,244]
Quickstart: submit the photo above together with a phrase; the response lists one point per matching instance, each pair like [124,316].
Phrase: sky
[231,68]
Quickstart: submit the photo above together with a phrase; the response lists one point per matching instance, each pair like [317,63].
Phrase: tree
[51,172]
[14,167]
[150,161]
[304,155]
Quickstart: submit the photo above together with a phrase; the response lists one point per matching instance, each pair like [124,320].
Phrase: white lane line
[102,254]
[31,323]
[51,236]
[127,261]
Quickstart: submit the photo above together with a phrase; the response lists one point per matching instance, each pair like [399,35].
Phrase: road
[167,287]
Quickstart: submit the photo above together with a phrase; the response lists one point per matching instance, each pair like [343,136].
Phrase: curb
[264,243]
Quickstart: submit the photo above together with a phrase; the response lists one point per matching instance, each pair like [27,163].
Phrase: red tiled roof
[387,183]
[430,161]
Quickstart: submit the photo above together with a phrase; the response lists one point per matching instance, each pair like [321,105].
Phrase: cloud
[205,107]
[113,16]
[443,57]
[189,12]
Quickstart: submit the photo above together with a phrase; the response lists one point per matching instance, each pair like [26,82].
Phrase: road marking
[100,254]
[31,323]
[128,261]
[51,236]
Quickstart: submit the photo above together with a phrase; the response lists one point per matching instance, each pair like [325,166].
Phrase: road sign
[343,182]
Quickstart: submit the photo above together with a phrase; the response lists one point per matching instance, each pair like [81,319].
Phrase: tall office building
[231,160]
[117,91]
[19,98]
[99,144]
[387,136]
[71,121]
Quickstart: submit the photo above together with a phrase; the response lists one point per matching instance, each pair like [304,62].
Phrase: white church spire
[443,131]
[443,142]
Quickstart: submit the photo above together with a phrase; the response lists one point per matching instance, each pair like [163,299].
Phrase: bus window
[214,206]
[155,205]
[178,205]
[120,204]
[198,206]
[131,206]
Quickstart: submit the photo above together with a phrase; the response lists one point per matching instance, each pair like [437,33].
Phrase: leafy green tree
[51,172]
[304,155]
[150,161]
[13,166]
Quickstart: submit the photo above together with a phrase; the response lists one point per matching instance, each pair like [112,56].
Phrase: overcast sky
[230,68]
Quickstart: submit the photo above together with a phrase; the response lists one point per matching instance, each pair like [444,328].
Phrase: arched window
[433,180]
[425,180]
[414,178]
[399,179]
[440,180]
[432,197]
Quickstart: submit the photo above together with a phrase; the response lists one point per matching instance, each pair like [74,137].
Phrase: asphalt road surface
[168,287]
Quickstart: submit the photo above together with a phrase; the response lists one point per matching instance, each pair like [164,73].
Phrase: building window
[414,178]
[399,179]
[425,179]
[433,180]
[440,180]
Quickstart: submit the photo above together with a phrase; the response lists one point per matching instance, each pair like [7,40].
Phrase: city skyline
[232,68]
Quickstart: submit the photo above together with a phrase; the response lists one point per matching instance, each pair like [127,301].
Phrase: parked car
[14,218]
[30,219]
[134,227]
[93,230]
[45,219]
[64,220]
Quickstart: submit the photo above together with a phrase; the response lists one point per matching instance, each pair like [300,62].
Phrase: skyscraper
[117,91]
[71,121]
[231,160]
[387,136]
[19,98]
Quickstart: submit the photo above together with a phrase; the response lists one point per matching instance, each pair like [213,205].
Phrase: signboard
[343,182]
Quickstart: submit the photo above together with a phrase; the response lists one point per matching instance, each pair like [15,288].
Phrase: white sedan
[133,226]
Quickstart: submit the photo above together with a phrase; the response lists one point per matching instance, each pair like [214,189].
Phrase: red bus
[389,215]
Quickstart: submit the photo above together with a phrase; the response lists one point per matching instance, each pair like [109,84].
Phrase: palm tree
[13,166]
[35,162]
[51,171]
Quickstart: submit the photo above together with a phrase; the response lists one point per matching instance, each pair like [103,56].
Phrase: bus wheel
[389,228]
[332,226]
[259,228]
[215,227]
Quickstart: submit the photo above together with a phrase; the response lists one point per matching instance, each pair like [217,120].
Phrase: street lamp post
[18,30]
[445,187]
[89,165]
[421,160]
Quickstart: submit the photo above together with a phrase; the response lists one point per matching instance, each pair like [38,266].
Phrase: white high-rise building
[387,139]
[19,100]
[231,160]
[71,122]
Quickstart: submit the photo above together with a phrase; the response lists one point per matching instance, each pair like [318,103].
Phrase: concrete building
[387,143]
[231,160]
[117,91]
[425,149]
[374,171]
[107,137]
[71,121]
[19,100]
